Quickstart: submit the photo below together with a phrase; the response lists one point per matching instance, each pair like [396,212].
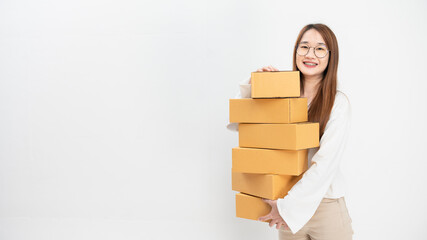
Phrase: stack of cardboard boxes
[274,136]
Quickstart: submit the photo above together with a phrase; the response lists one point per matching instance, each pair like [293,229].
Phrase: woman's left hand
[273,215]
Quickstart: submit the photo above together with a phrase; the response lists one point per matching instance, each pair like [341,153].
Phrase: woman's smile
[310,64]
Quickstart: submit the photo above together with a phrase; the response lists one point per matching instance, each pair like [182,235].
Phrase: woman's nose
[311,53]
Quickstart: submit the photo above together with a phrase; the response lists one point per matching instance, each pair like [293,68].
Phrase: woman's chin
[308,73]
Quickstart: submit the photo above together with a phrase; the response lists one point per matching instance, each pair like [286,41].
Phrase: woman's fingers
[279,224]
[267,69]
[268,201]
[273,221]
[285,226]
[274,69]
[264,218]
[270,68]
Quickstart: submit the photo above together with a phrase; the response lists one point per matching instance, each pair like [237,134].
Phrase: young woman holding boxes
[315,207]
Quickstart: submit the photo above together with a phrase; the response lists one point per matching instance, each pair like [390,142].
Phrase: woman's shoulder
[342,102]
[341,96]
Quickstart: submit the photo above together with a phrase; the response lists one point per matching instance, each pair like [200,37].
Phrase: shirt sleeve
[304,198]
[245,92]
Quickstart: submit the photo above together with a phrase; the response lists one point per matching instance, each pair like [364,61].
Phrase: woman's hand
[273,215]
[266,69]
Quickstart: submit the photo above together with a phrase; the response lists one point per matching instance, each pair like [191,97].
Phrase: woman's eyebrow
[318,42]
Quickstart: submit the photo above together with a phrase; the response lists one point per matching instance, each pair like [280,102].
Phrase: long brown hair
[321,105]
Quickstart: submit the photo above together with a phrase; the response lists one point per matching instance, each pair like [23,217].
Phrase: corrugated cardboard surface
[270,186]
[275,84]
[287,110]
[269,161]
[251,207]
[289,136]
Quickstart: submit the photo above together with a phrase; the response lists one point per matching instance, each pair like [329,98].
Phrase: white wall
[113,114]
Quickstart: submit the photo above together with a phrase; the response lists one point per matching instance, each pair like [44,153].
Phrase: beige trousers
[331,221]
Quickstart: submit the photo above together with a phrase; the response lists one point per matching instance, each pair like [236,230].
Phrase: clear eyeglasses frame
[320,50]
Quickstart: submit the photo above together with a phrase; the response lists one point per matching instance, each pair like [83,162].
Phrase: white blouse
[324,178]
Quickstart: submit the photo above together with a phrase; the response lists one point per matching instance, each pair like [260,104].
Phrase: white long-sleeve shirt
[324,178]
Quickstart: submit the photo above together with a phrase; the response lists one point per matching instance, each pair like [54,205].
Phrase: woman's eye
[303,47]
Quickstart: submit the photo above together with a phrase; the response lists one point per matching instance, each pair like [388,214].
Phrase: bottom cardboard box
[251,207]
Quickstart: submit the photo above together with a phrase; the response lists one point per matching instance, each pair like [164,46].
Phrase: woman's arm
[245,89]
[304,198]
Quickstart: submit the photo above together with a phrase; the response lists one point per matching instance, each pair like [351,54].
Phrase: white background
[113,114]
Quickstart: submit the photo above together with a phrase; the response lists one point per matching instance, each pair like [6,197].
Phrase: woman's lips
[309,66]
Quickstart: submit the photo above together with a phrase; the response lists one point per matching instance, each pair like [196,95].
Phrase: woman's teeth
[310,64]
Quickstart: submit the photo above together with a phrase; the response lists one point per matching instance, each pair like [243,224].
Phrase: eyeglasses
[320,50]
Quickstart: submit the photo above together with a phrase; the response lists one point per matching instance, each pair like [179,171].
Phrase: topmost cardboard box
[280,84]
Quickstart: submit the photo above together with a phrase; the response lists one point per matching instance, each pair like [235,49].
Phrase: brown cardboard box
[275,84]
[289,136]
[269,161]
[270,186]
[251,207]
[287,110]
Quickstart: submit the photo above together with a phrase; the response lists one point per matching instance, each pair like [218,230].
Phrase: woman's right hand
[266,69]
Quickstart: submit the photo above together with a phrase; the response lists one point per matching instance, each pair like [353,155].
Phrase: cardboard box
[269,161]
[289,136]
[251,207]
[275,84]
[270,186]
[287,110]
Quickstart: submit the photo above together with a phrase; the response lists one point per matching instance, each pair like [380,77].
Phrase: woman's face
[310,64]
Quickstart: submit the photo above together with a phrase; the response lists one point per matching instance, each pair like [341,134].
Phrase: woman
[315,207]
